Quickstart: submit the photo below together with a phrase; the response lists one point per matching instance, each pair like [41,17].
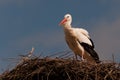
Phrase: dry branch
[62,69]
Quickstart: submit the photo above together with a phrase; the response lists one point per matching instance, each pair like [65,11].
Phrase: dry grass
[62,69]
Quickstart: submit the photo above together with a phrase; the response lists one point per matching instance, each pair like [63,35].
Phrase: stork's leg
[82,57]
[76,57]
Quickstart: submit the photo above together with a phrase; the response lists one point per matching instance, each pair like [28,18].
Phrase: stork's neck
[67,29]
[67,26]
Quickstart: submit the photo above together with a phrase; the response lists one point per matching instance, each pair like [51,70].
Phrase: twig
[68,75]
[49,74]
[108,74]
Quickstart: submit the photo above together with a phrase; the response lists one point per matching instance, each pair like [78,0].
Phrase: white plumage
[79,41]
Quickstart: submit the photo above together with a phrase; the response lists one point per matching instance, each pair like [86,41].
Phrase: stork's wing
[92,43]
[87,43]
[83,36]
[91,51]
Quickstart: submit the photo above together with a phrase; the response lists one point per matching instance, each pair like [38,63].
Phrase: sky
[34,23]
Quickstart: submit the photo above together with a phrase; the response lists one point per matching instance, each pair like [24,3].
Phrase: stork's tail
[95,55]
[98,61]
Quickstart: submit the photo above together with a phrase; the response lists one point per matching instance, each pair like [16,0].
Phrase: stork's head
[67,20]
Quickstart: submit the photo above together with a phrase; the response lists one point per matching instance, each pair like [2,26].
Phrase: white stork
[79,41]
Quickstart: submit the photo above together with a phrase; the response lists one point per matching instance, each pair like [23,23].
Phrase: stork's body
[79,41]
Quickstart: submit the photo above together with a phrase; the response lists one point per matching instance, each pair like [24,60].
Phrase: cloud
[107,38]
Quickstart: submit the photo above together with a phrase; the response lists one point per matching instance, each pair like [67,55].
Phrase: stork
[79,41]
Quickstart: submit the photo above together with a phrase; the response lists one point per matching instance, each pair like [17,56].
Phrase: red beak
[63,21]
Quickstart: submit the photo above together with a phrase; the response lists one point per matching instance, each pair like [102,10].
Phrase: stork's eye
[67,16]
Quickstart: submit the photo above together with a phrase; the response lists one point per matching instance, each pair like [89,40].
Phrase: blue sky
[27,23]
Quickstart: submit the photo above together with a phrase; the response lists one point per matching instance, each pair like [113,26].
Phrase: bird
[79,41]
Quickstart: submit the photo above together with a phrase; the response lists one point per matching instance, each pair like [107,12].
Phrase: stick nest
[62,69]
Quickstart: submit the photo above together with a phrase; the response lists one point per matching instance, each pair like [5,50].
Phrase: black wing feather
[91,51]
[92,43]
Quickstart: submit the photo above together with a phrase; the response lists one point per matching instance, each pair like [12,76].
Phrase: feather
[91,51]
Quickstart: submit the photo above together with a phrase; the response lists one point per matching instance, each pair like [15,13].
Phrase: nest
[62,69]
